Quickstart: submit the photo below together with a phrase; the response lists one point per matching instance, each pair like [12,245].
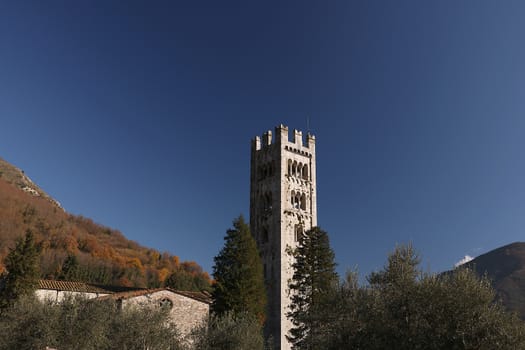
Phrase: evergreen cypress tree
[238,273]
[71,270]
[23,271]
[312,283]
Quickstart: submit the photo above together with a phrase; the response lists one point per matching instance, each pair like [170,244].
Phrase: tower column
[283,204]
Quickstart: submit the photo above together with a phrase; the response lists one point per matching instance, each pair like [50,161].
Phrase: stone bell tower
[282,206]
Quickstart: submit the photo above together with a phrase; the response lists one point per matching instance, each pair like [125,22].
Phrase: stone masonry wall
[186,312]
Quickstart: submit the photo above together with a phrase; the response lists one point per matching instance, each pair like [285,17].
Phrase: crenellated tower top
[282,138]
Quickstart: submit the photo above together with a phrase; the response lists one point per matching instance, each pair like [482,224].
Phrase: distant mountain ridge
[76,248]
[505,267]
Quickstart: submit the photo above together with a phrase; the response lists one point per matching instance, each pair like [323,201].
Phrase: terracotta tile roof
[205,297]
[117,289]
[71,286]
[133,293]
[116,292]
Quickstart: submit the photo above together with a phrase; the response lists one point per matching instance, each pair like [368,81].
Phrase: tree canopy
[22,270]
[78,323]
[182,280]
[238,273]
[404,308]
[89,324]
[312,284]
[229,331]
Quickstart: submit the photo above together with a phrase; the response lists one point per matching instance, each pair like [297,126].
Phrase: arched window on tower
[305,172]
[298,232]
[294,168]
[303,201]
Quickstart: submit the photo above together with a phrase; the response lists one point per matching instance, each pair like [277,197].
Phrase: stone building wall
[185,312]
[187,309]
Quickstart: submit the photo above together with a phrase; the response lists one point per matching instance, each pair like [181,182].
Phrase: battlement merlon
[298,137]
[310,141]
[281,137]
[267,138]
[256,143]
[266,141]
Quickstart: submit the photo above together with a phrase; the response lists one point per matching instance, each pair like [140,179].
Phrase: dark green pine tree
[311,287]
[22,270]
[71,270]
[238,273]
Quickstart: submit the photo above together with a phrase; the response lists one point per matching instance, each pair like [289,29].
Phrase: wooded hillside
[76,248]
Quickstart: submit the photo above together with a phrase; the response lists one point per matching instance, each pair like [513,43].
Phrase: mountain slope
[76,248]
[19,179]
[505,266]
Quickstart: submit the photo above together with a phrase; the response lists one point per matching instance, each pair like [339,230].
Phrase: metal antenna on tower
[307,124]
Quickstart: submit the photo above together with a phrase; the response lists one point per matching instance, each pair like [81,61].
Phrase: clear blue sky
[140,115]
